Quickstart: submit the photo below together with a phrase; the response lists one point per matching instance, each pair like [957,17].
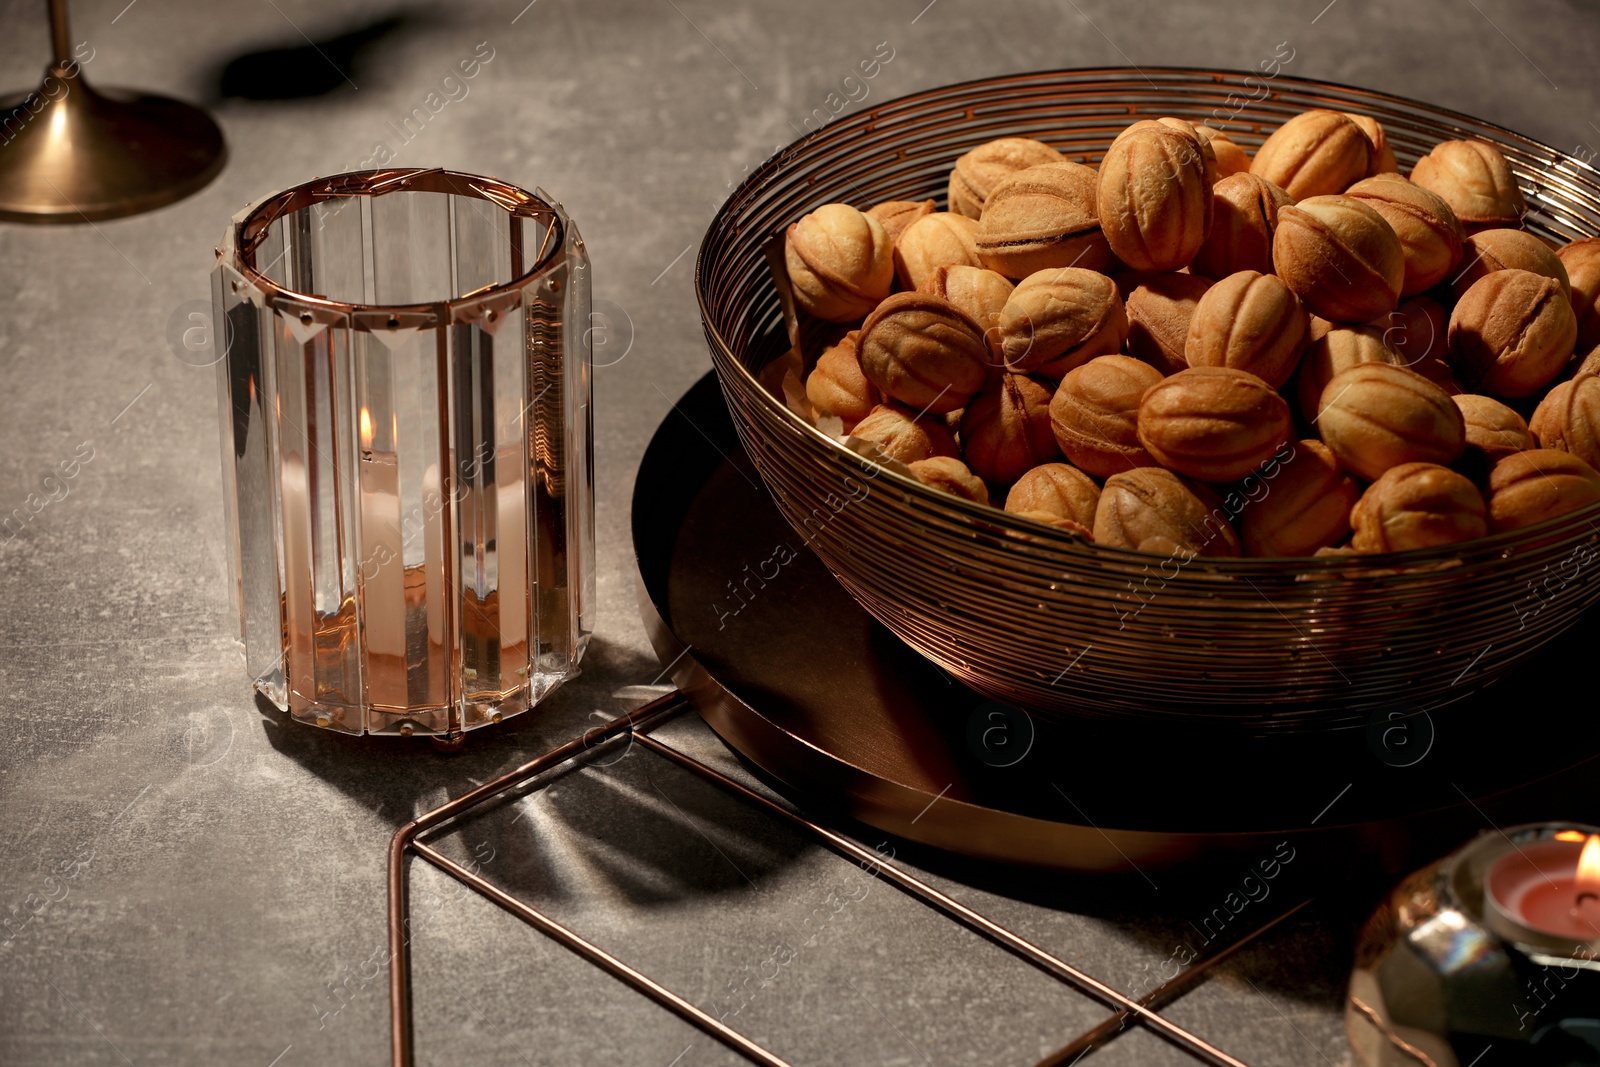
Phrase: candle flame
[366,428]
[1589,863]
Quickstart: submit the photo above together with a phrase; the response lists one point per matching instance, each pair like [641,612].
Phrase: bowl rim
[1009,523]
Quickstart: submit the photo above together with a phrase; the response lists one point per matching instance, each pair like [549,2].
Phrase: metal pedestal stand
[71,154]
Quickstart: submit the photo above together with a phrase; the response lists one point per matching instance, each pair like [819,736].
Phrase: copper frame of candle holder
[251,227]
[1431,975]
[636,726]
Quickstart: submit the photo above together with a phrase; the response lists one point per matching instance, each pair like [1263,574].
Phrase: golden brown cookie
[1475,180]
[1041,218]
[840,262]
[1303,506]
[1213,423]
[1250,322]
[1005,430]
[1417,505]
[1095,414]
[1375,416]
[924,351]
[1315,153]
[1512,333]
[1340,256]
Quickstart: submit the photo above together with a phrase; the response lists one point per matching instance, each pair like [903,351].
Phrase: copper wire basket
[1033,616]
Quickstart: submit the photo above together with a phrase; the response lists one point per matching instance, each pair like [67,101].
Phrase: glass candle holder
[1489,948]
[407,443]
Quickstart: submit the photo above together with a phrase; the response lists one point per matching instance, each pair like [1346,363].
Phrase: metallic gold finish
[1029,614]
[658,532]
[962,914]
[972,920]
[252,228]
[405,839]
[591,952]
[71,153]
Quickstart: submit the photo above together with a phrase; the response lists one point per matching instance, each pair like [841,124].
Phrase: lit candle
[1550,888]
[382,569]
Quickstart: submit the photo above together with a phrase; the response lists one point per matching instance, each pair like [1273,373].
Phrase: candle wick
[1587,894]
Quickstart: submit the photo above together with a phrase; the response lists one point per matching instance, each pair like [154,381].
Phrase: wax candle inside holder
[1546,893]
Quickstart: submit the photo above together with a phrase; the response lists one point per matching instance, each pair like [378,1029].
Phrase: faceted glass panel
[406,439]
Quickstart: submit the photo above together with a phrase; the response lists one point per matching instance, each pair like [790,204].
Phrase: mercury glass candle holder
[407,444]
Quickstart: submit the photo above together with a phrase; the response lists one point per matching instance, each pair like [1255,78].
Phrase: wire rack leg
[405,840]
[972,920]
[1144,1012]
[604,960]
[1165,993]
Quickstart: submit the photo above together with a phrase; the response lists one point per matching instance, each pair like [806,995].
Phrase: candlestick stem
[59,36]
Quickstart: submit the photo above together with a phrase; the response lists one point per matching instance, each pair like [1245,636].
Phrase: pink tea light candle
[1547,893]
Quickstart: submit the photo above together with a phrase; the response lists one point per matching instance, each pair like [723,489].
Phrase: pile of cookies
[1191,351]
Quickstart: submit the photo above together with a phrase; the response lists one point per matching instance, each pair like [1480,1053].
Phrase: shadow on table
[623,825]
[403,777]
[305,68]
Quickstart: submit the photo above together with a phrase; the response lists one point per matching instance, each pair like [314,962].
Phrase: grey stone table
[185,879]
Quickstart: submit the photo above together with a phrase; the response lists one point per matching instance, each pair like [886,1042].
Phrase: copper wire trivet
[1125,1011]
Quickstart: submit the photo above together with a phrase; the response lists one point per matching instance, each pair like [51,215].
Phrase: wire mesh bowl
[1033,616]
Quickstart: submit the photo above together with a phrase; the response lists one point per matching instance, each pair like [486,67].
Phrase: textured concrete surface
[186,880]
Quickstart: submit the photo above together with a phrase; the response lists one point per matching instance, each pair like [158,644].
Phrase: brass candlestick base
[69,153]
